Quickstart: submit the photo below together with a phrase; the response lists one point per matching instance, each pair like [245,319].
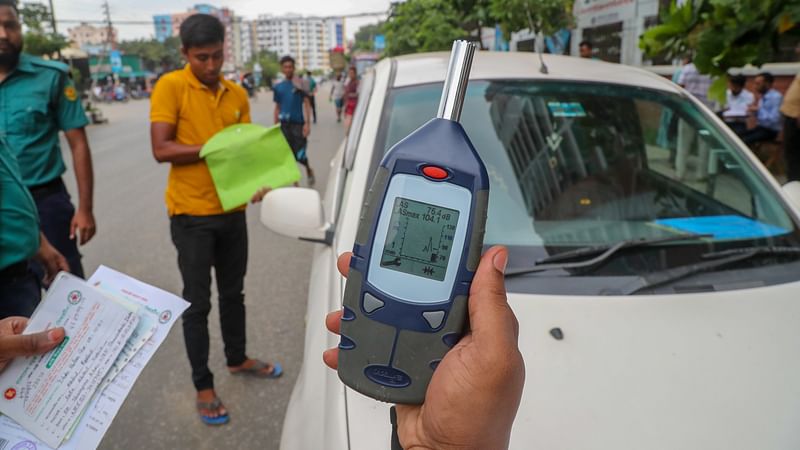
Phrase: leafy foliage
[422,26]
[474,15]
[722,34]
[44,44]
[365,36]
[545,16]
[270,65]
[39,37]
[156,56]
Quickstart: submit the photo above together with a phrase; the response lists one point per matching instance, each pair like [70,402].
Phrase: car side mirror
[792,191]
[296,212]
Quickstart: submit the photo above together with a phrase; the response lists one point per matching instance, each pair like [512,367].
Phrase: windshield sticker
[566,109]
[723,227]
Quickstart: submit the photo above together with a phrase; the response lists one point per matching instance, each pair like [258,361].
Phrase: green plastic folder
[243,158]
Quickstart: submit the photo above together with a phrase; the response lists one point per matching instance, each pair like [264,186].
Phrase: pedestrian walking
[791,130]
[350,98]
[337,95]
[38,99]
[293,112]
[188,107]
[312,94]
[20,242]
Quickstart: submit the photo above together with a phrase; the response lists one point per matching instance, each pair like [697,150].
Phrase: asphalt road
[133,237]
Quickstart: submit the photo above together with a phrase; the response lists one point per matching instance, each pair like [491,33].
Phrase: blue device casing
[389,346]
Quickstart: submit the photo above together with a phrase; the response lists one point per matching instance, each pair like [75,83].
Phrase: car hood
[694,371]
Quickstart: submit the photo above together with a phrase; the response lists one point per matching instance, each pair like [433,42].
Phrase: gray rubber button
[434,318]
[372,304]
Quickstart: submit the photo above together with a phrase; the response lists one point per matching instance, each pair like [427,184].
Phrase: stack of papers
[67,398]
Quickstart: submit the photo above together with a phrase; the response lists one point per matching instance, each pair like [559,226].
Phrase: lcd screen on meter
[419,239]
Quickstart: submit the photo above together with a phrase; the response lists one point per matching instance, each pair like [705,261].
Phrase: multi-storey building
[244,44]
[169,25]
[92,39]
[307,39]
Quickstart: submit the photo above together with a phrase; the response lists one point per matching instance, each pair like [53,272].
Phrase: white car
[654,264]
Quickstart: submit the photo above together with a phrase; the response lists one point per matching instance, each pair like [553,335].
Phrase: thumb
[489,313]
[30,344]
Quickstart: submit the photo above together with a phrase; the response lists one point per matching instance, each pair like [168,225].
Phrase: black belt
[14,271]
[44,190]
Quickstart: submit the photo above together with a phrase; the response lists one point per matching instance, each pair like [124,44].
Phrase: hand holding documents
[244,158]
[114,324]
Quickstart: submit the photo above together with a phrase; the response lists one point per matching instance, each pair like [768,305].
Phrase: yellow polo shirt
[180,99]
[791,101]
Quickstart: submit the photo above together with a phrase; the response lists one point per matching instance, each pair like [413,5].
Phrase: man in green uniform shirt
[21,240]
[37,100]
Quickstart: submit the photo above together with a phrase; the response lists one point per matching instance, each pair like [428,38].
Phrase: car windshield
[576,165]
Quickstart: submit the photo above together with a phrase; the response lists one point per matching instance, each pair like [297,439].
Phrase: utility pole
[109,47]
[109,27]
[53,24]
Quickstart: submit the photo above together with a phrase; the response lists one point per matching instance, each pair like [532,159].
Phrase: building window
[607,41]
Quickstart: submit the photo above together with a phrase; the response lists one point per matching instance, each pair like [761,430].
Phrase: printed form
[47,393]
[158,311]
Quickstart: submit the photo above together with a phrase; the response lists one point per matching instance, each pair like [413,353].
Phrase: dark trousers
[739,128]
[55,217]
[293,132]
[202,242]
[758,134]
[791,148]
[20,291]
[313,100]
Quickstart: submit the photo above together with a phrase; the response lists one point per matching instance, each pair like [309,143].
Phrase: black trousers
[791,148]
[313,100]
[55,217]
[202,242]
[758,134]
[20,291]
[293,132]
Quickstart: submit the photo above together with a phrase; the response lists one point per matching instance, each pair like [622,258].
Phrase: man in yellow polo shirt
[188,107]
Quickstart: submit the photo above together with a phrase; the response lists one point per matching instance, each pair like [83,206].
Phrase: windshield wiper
[603,254]
[716,260]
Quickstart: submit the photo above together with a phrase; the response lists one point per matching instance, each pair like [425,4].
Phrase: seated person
[767,112]
[738,101]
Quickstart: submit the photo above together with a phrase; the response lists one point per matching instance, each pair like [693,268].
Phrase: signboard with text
[593,13]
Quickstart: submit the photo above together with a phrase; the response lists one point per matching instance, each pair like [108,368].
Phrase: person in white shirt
[738,101]
[337,95]
[696,83]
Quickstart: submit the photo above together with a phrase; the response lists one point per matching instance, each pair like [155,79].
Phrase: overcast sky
[143,10]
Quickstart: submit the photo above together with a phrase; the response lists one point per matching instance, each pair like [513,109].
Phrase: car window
[575,164]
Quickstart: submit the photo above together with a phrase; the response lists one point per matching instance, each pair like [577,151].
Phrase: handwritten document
[157,311]
[47,393]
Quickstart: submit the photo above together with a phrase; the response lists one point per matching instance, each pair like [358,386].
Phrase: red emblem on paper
[10,394]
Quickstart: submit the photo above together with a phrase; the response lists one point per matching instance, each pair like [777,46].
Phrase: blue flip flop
[214,405]
[258,370]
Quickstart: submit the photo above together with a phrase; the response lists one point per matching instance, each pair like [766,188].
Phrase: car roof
[423,68]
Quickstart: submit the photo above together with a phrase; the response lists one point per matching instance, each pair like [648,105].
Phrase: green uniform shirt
[36,101]
[19,221]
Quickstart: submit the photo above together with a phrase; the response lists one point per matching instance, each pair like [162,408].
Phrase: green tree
[539,16]
[723,34]
[422,26]
[365,36]
[155,55]
[475,14]
[39,37]
[270,66]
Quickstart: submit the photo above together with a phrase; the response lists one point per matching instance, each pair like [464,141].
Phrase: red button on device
[437,173]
